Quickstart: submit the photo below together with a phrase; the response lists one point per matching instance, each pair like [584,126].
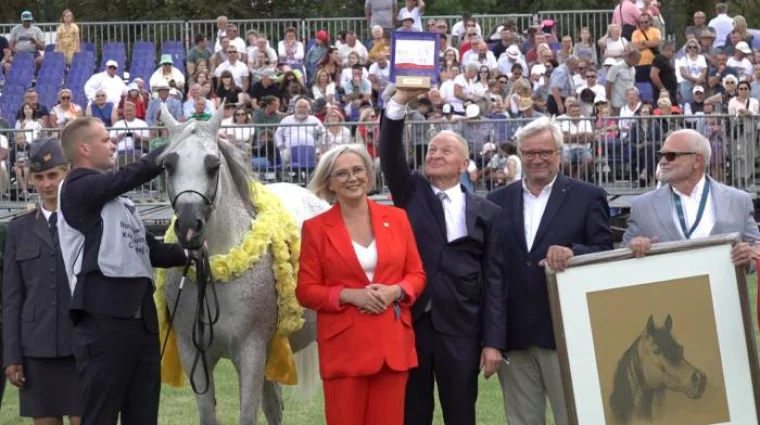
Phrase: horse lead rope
[203,279]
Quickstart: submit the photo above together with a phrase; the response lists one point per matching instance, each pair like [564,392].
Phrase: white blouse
[367,258]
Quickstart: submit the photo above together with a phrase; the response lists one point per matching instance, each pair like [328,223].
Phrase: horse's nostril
[198,225]
[695,378]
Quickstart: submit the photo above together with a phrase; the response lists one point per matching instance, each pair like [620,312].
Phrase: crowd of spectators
[328,90]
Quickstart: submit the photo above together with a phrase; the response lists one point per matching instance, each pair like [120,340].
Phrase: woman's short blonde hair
[320,180]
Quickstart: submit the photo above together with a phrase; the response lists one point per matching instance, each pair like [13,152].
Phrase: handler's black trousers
[120,371]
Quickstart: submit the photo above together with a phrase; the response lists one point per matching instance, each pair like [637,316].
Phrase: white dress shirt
[690,205]
[367,257]
[454,211]
[533,210]
[113,86]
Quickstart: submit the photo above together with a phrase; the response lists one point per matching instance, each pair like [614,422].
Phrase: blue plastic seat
[303,157]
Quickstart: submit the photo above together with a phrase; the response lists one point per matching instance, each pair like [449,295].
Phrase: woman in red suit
[361,272]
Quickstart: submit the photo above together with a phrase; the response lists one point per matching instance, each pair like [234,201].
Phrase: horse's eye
[170,161]
[212,164]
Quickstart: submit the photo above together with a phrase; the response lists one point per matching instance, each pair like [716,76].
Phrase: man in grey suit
[690,204]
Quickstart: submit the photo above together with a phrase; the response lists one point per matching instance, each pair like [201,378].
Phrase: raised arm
[392,153]
[93,189]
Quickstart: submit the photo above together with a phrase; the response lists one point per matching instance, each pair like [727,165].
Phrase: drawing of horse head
[652,364]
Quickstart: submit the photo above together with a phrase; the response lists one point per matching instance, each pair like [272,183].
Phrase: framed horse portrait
[663,339]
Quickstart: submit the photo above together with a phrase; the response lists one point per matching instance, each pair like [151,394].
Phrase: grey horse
[207,182]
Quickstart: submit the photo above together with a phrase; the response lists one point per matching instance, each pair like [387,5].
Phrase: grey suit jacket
[652,215]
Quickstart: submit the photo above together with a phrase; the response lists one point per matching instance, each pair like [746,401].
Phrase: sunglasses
[692,48]
[69,97]
[591,76]
[241,114]
[672,156]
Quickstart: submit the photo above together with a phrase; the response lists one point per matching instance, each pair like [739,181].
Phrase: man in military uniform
[37,353]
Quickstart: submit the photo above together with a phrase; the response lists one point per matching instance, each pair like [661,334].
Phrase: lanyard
[700,211]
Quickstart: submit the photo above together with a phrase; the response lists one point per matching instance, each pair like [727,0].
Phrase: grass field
[178,406]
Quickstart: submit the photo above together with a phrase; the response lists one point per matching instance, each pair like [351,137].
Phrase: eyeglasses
[541,154]
[232,52]
[343,176]
[442,26]
[730,82]
[111,67]
[671,156]
[591,76]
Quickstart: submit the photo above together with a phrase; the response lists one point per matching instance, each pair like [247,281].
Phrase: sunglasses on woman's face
[240,114]
[65,97]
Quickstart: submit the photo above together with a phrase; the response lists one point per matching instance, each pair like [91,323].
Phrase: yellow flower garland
[274,228]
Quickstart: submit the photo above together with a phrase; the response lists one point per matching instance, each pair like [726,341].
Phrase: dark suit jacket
[576,216]
[35,293]
[82,198]
[464,276]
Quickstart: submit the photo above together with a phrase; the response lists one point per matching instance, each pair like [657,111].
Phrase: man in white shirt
[239,71]
[510,57]
[188,108]
[578,134]
[550,218]
[300,129]
[463,87]
[671,213]
[480,54]
[620,78]
[234,36]
[353,45]
[129,133]
[459,319]
[221,31]
[262,44]
[722,24]
[107,80]
[460,28]
[590,82]
[740,62]
[379,73]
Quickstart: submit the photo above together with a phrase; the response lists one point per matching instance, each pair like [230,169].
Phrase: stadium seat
[88,47]
[646,94]
[50,48]
[303,157]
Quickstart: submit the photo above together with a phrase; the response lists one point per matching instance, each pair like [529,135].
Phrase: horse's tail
[307,364]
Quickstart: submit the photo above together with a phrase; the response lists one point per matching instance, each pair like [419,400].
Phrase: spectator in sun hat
[107,80]
[153,116]
[168,72]
[740,62]
[407,21]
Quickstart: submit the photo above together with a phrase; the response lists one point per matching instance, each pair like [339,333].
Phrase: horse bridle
[208,201]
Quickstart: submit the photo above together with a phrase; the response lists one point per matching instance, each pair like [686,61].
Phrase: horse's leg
[250,360]
[272,402]
[206,402]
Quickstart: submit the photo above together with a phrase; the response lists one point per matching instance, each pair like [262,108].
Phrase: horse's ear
[650,325]
[216,121]
[168,119]
[668,323]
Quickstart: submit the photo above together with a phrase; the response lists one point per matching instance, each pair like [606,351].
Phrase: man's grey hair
[697,143]
[572,59]
[320,181]
[472,67]
[721,7]
[462,141]
[538,126]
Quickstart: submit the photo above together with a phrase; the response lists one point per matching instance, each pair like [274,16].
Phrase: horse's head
[663,363]
[194,163]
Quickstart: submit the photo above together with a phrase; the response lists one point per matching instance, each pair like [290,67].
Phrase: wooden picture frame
[618,291]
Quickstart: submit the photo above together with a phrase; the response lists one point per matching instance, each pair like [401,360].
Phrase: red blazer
[350,343]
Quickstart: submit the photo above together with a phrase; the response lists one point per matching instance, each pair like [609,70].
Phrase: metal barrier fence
[158,32]
[618,154]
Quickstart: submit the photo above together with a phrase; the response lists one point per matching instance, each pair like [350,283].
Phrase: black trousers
[119,368]
[454,363]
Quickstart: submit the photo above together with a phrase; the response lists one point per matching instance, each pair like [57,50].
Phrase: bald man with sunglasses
[690,204]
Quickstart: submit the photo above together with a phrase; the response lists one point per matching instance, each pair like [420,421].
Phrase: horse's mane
[621,399]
